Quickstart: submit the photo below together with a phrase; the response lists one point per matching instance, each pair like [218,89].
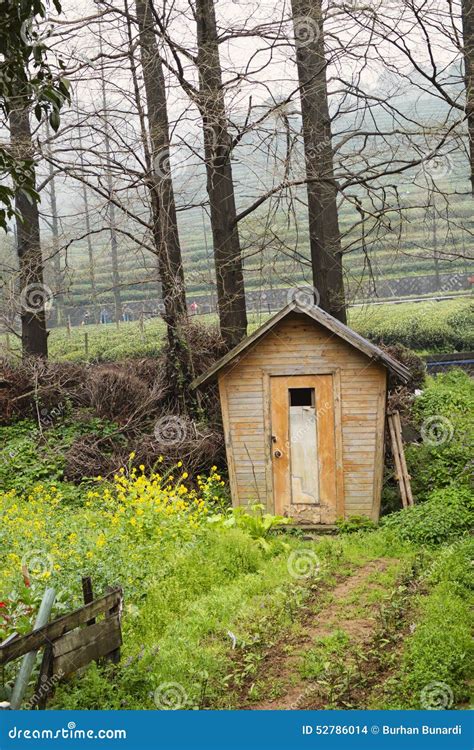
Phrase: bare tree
[88,231]
[467,12]
[55,249]
[324,234]
[111,206]
[220,185]
[163,208]
[33,294]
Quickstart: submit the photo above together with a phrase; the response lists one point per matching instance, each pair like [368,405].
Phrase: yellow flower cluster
[116,530]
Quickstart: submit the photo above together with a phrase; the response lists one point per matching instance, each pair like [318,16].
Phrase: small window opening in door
[301,396]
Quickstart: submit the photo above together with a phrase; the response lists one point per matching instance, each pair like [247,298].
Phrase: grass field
[423,326]
[223,608]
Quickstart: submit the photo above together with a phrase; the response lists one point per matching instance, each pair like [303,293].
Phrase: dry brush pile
[135,395]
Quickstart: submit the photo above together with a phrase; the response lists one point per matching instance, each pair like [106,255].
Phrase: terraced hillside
[431,238]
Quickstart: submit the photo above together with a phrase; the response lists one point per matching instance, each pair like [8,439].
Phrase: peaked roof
[320,316]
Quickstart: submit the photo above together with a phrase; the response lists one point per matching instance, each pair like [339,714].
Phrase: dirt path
[352,608]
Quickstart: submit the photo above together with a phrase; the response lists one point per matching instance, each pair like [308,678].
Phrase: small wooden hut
[303,405]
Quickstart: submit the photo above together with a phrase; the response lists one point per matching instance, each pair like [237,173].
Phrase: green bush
[443,414]
[446,515]
[428,326]
[462,324]
[28,456]
[453,565]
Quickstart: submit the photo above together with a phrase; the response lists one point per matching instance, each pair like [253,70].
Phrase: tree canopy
[26,73]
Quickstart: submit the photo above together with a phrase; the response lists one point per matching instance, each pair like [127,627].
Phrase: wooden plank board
[81,636]
[228,435]
[280,431]
[403,463]
[326,447]
[396,456]
[107,638]
[53,630]
[380,446]
[340,510]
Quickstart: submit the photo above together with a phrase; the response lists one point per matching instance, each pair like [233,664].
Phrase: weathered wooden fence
[71,642]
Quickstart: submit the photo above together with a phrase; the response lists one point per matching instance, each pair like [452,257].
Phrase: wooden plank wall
[298,346]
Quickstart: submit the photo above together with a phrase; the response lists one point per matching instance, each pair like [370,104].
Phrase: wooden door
[303,445]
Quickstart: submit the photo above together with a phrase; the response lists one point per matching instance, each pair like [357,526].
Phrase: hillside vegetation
[423,326]
[223,609]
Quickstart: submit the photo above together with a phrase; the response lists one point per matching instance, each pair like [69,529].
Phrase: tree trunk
[325,238]
[163,206]
[58,278]
[111,207]
[33,292]
[90,251]
[467,9]
[220,185]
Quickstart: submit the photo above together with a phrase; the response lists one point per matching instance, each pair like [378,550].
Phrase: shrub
[446,515]
[117,395]
[443,415]
[453,564]
[431,326]
[462,324]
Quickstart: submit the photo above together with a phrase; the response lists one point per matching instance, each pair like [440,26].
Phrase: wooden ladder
[401,475]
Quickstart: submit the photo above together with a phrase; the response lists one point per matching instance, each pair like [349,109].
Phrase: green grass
[189,590]
[438,656]
[422,326]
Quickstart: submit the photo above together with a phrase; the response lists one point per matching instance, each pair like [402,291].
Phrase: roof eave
[319,316]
